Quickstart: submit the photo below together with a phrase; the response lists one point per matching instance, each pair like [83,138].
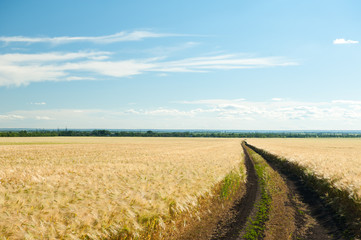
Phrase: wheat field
[72,188]
[336,159]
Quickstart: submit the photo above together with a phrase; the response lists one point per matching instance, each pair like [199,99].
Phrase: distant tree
[100,133]
[23,133]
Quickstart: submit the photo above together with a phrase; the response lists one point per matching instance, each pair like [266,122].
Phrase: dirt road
[277,205]
[243,208]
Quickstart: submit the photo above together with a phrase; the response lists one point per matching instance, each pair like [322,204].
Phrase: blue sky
[263,65]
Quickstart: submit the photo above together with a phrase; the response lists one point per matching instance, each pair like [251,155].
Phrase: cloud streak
[222,62]
[344,41]
[22,69]
[11,117]
[38,103]
[51,57]
[117,37]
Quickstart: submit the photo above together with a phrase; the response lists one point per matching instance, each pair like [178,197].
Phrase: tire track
[314,219]
[231,227]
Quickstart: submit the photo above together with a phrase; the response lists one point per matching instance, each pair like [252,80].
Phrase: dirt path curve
[230,228]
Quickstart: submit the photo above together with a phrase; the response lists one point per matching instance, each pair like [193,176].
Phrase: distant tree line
[205,134]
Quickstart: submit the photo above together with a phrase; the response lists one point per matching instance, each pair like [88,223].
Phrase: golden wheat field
[336,159]
[73,188]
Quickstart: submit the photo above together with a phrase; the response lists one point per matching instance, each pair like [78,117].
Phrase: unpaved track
[229,229]
[325,226]
[313,220]
[316,220]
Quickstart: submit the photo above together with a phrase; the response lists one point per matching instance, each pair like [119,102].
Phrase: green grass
[230,185]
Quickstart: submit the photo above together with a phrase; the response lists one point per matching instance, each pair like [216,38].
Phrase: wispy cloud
[22,69]
[11,117]
[159,112]
[229,61]
[281,110]
[77,78]
[350,102]
[118,37]
[213,101]
[204,113]
[277,99]
[344,41]
[42,58]
[38,103]
[44,118]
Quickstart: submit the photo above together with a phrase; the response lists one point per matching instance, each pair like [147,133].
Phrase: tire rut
[325,226]
[314,219]
[230,228]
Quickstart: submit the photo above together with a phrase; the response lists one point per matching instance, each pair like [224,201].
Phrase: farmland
[336,159]
[171,188]
[94,187]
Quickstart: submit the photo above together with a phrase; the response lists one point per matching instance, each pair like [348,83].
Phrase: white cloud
[124,68]
[38,103]
[214,101]
[118,37]
[203,114]
[22,69]
[43,118]
[277,99]
[51,118]
[242,109]
[132,111]
[11,74]
[159,112]
[41,58]
[167,112]
[351,102]
[344,41]
[11,117]
[201,64]
[75,78]
[280,110]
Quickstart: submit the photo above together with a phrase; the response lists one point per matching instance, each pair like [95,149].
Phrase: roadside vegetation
[96,188]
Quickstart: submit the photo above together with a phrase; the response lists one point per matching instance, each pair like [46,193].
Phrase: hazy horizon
[184,130]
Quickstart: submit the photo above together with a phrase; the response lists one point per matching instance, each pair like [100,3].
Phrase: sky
[224,65]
